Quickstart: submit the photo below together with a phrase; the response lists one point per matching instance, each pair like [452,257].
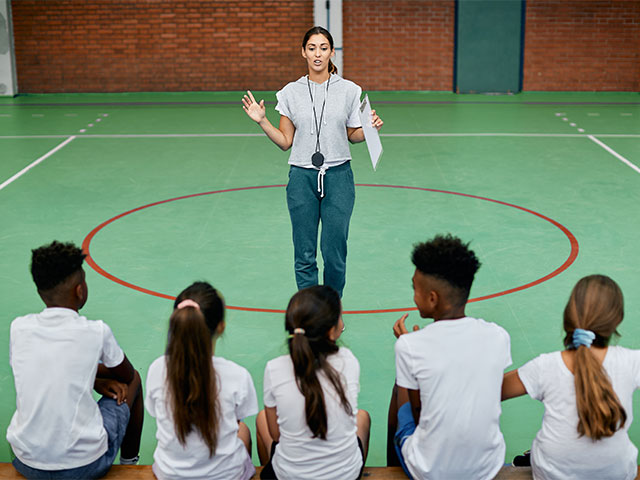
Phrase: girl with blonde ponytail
[311,427]
[199,399]
[586,390]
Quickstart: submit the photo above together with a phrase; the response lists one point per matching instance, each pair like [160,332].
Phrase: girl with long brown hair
[586,390]
[311,427]
[199,400]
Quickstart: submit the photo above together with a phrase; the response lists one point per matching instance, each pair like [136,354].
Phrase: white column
[8,77]
[328,14]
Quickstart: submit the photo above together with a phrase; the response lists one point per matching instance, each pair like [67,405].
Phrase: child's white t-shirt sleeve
[531,375]
[635,365]
[112,354]
[405,376]
[507,361]
[351,373]
[268,398]
[246,398]
[150,387]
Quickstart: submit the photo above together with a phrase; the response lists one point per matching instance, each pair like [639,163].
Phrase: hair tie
[297,331]
[188,303]
[583,337]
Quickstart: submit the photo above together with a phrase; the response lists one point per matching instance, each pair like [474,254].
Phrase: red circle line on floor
[86,244]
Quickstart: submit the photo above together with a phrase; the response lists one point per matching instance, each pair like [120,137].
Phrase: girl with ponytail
[586,390]
[311,427]
[199,399]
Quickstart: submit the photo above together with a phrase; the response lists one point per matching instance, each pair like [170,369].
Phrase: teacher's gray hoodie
[340,111]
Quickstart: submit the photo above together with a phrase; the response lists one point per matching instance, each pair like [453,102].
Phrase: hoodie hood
[318,96]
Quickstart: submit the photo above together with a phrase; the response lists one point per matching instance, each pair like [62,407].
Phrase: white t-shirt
[558,451]
[458,367]
[298,455]
[54,356]
[237,400]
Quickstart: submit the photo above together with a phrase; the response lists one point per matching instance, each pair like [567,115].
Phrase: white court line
[217,135]
[36,162]
[614,153]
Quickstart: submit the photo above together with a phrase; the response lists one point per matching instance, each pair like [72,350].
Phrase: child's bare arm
[272,423]
[512,386]
[122,373]
[416,404]
[413,396]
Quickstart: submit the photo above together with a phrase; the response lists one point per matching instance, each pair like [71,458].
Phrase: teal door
[489,43]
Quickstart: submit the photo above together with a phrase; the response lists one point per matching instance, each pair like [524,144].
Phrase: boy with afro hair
[444,417]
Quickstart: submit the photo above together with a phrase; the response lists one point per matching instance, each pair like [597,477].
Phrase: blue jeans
[307,210]
[406,427]
[115,419]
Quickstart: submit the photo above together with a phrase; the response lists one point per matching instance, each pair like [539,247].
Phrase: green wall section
[489,46]
[504,148]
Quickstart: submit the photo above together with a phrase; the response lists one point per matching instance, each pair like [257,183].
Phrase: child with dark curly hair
[58,357]
[444,417]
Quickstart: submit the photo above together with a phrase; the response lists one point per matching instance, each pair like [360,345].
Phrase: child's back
[54,356]
[334,457]
[237,400]
[558,450]
[458,367]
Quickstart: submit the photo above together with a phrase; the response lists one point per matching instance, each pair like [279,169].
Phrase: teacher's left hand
[376,121]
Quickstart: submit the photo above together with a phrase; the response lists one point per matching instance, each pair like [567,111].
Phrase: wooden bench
[143,472]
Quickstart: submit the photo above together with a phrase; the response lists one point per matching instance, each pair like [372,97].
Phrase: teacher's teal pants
[308,210]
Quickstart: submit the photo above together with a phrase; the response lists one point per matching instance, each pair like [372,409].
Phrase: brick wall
[192,45]
[158,45]
[582,45]
[399,44]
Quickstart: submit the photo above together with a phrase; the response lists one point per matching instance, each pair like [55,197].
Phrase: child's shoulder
[622,354]
[278,363]
[228,366]
[53,318]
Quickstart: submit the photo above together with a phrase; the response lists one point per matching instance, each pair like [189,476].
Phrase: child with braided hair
[586,390]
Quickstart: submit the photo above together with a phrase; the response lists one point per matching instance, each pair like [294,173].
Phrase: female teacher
[318,114]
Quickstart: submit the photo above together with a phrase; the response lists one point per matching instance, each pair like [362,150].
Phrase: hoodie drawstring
[321,173]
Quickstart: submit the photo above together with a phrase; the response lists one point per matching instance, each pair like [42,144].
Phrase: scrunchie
[188,303]
[583,337]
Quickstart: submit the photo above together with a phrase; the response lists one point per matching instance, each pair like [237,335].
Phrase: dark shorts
[115,419]
[267,472]
[406,427]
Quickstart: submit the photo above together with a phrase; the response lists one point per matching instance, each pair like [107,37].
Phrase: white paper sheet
[370,133]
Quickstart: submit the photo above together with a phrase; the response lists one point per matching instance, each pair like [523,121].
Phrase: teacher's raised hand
[255,110]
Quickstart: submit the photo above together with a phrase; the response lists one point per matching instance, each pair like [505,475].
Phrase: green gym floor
[165,189]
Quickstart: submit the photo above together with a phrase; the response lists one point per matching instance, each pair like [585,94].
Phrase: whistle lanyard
[315,115]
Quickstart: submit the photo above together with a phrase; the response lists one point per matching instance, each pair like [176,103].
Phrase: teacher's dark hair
[327,35]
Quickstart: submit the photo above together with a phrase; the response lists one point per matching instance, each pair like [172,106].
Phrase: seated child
[586,390]
[311,427]
[445,410]
[199,400]
[58,430]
